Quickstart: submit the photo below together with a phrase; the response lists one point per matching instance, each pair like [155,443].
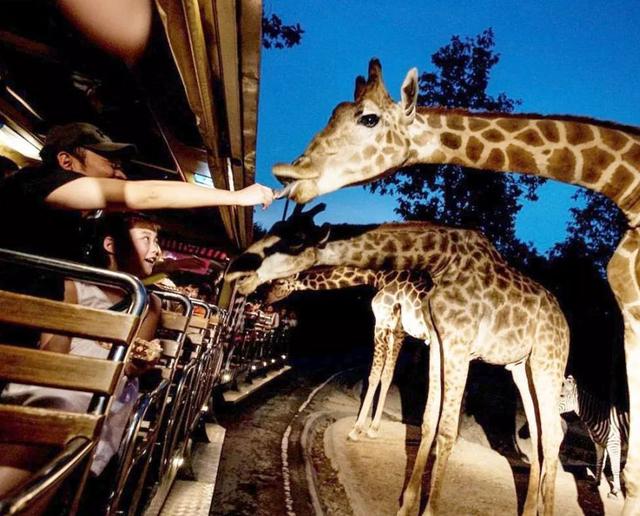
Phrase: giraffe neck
[418,246]
[335,278]
[602,158]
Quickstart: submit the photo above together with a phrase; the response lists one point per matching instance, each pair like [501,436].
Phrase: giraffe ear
[409,95]
[361,82]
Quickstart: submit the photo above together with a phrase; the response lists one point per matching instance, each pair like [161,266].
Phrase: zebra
[607,426]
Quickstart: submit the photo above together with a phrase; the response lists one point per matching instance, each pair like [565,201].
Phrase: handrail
[123,280]
[45,478]
[202,304]
[126,451]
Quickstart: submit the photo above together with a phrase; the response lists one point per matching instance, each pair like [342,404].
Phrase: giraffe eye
[369,120]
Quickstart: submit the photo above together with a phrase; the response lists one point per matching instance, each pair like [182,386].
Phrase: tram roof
[190,104]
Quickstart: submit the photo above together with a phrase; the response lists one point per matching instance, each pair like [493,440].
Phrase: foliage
[276,34]
[448,193]
[597,225]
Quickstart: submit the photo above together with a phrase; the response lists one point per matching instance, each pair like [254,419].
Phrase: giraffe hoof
[372,433]
[354,435]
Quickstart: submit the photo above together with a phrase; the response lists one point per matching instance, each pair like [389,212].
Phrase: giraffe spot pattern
[530,137]
[632,156]
[521,160]
[474,149]
[493,135]
[477,124]
[435,121]
[369,152]
[512,124]
[389,247]
[561,165]
[615,140]
[595,161]
[578,133]
[455,122]
[630,202]
[620,180]
[450,140]
[496,159]
[549,130]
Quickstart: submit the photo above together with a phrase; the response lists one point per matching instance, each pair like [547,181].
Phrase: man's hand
[255,194]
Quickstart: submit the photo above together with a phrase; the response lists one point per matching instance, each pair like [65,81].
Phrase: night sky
[560,57]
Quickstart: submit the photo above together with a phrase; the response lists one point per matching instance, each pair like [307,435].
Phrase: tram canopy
[189,104]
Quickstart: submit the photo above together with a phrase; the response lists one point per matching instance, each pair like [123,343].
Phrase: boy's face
[146,250]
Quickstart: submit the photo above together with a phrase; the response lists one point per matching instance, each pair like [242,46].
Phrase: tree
[449,193]
[598,224]
[277,35]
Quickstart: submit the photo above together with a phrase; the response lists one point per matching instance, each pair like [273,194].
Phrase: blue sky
[558,57]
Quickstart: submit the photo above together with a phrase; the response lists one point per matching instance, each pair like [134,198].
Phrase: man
[42,208]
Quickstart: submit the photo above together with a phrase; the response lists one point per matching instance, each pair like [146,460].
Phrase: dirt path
[330,475]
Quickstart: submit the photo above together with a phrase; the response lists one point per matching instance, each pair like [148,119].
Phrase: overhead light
[9,138]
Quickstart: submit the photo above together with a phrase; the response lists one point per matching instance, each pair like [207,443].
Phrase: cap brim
[123,150]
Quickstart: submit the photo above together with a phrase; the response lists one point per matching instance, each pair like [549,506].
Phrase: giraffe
[479,308]
[373,136]
[397,306]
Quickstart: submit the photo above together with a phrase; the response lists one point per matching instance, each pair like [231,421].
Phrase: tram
[188,101]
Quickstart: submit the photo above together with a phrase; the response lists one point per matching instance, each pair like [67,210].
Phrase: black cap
[69,137]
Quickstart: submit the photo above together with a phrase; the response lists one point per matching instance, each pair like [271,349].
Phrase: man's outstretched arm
[91,193]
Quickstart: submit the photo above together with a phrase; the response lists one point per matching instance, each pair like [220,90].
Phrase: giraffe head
[281,288]
[569,395]
[363,140]
[290,246]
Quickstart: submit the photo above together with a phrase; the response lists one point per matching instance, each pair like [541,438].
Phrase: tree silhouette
[448,193]
[598,225]
[276,34]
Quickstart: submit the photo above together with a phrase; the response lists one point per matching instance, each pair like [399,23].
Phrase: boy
[129,244]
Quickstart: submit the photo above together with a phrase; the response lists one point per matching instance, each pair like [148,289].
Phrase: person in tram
[43,207]
[129,243]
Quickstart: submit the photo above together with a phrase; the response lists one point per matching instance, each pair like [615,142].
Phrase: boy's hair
[117,226]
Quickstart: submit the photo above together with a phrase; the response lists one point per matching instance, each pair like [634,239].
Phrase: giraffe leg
[521,379]
[547,385]
[623,271]
[411,495]
[374,378]
[393,349]
[455,371]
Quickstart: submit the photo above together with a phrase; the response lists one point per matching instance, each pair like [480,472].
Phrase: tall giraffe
[479,308]
[397,306]
[372,136]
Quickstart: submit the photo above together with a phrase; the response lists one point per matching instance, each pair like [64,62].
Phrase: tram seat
[152,477]
[67,438]
[141,436]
